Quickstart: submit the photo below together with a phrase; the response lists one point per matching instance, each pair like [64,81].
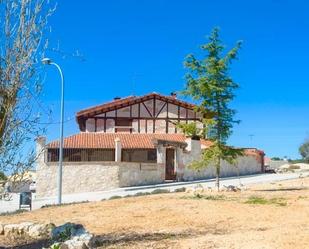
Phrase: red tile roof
[118,103]
[87,140]
[96,140]
[124,102]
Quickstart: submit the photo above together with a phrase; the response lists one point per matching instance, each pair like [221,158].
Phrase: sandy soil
[178,220]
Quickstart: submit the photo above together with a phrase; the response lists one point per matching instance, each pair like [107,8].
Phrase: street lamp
[47,61]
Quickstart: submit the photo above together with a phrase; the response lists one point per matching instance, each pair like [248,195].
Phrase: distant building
[131,141]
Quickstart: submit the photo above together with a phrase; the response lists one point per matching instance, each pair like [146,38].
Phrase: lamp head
[46,61]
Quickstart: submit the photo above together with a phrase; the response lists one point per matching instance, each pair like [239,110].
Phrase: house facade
[131,141]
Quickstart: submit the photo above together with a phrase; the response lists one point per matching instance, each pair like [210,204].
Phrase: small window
[152,155]
[123,122]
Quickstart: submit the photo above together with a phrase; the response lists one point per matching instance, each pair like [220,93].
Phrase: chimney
[40,150]
[117,98]
[173,95]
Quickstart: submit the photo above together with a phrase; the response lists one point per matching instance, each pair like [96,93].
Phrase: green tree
[2,176]
[209,84]
[304,150]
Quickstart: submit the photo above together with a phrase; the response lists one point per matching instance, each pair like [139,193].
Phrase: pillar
[117,150]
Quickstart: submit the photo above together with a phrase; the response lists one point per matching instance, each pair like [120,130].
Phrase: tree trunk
[218,175]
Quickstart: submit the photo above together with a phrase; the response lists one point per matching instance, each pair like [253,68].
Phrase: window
[81,155]
[152,155]
[139,155]
[123,125]
[123,122]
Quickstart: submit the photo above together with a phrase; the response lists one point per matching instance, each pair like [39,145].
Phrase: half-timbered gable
[151,113]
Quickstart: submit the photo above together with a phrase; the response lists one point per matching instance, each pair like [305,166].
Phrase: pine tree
[209,83]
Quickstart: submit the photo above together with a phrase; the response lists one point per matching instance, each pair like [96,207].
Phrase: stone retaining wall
[79,177]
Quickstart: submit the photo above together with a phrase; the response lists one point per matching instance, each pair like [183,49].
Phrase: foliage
[209,83]
[199,196]
[262,201]
[64,204]
[65,235]
[55,246]
[21,30]
[178,190]
[304,151]
[191,130]
[160,191]
[2,176]
[19,211]
[115,197]
[141,193]
[276,159]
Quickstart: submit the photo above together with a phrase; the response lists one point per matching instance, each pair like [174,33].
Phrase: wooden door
[170,173]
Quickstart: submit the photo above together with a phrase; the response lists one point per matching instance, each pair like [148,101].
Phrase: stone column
[117,150]
[161,155]
[179,164]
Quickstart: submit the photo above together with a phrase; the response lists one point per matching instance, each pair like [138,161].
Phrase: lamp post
[48,61]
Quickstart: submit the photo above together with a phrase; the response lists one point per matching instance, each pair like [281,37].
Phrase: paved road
[97,196]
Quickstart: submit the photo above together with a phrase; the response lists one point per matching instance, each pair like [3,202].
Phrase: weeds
[258,200]
[177,190]
[142,193]
[19,211]
[160,191]
[63,204]
[115,197]
[199,196]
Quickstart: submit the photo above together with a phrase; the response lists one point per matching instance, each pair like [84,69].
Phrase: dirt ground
[180,220]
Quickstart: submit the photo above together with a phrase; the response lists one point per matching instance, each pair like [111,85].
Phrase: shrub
[142,193]
[115,197]
[206,197]
[19,211]
[177,190]
[160,191]
[64,204]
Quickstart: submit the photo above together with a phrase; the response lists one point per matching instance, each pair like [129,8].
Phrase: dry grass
[178,220]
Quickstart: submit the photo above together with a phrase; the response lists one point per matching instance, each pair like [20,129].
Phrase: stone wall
[246,165]
[133,174]
[80,177]
[77,177]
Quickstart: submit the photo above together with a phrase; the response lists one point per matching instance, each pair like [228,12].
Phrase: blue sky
[145,42]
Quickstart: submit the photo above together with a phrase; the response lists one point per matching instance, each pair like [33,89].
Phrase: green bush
[160,191]
[115,197]
[2,176]
[177,190]
[142,193]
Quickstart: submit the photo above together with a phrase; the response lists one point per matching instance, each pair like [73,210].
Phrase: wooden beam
[147,109]
[161,110]
[174,119]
